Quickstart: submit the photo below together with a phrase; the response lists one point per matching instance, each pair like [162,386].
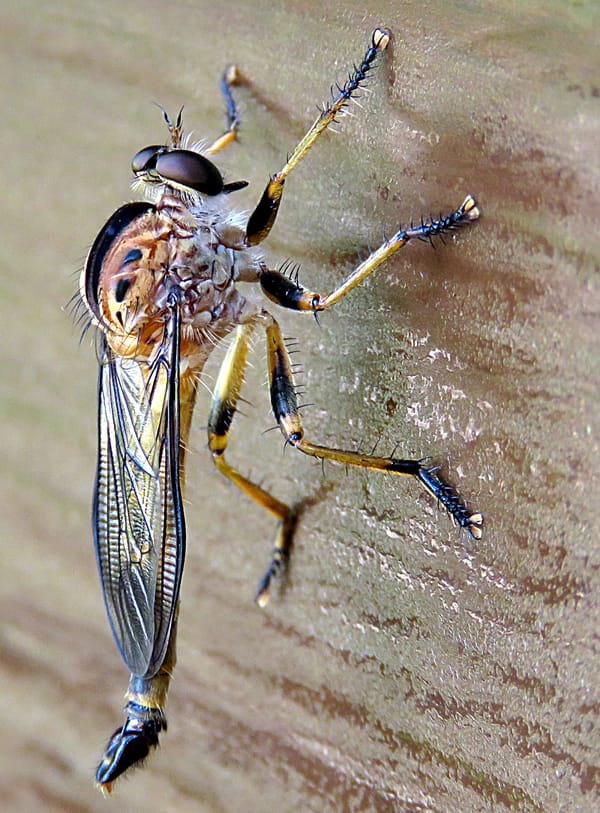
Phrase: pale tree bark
[404,667]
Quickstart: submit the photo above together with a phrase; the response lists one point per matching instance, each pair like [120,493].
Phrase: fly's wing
[138,524]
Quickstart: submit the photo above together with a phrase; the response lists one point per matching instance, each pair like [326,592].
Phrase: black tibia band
[282,290]
[221,419]
[281,384]
[131,743]
[263,217]
[283,395]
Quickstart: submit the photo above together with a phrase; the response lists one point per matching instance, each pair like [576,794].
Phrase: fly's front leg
[132,742]
[289,294]
[224,404]
[285,409]
[231,78]
[263,217]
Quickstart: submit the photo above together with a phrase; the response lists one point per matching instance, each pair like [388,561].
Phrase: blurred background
[405,667]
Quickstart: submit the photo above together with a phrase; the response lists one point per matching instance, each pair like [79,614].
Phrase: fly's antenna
[175,129]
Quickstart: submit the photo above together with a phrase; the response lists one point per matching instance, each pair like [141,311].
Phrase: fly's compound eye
[145,160]
[183,168]
[189,169]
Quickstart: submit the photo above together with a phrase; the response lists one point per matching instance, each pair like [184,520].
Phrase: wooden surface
[404,668]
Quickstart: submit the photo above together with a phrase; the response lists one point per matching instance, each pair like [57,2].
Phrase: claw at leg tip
[381,38]
[475,525]
[105,788]
[471,210]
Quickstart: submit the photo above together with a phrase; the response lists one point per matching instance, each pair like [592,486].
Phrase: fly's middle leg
[287,293]
[132,742]
[224,404]
[285,409]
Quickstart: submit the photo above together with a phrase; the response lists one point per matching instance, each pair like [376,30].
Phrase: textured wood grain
[403,668]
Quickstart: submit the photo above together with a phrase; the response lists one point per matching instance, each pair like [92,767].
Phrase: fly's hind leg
[285,409]
[224,404]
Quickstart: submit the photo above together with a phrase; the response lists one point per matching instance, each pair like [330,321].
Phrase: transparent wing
[139,530]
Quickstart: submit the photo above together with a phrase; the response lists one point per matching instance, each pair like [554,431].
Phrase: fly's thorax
[164,248]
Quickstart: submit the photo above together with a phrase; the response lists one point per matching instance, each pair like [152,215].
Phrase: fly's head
[175,167]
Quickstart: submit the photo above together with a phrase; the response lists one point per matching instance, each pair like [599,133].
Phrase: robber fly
[160,285]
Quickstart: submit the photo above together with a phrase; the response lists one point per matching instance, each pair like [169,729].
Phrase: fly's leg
[285,409]
[132,742]
[230,78]
[287,293]
[262,218]
[224,404]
